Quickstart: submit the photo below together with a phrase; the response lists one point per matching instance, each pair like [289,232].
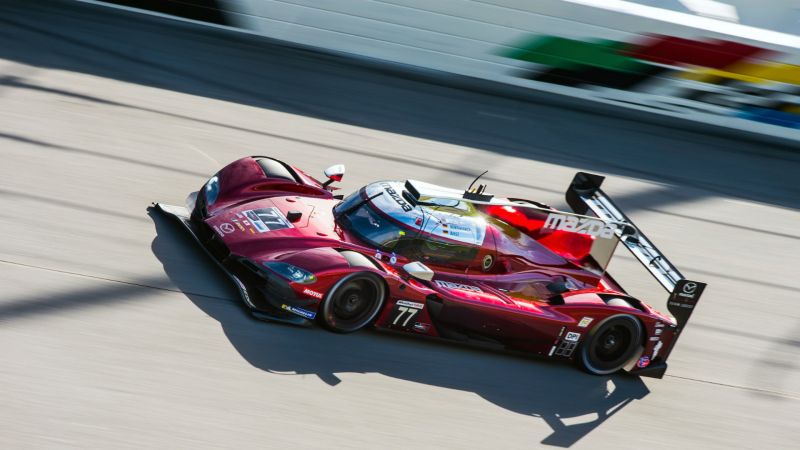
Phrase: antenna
[476,179]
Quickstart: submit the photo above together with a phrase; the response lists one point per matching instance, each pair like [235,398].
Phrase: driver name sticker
[267,219]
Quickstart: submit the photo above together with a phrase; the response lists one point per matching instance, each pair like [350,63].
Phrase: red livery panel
[417,258]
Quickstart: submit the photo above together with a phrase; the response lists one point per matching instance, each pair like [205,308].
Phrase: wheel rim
[355,303]
[612,346]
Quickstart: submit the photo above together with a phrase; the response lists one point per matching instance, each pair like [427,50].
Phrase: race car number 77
[403,310]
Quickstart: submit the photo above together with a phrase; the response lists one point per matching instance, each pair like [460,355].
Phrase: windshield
[367,224]
[420,233]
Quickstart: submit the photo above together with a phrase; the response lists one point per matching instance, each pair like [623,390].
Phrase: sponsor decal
[241,228]
[688,290]
[459,286]
[378,255]
[393,259]
[299,311]
[643,362]
[572,337]
[581,225]
[656,348]
[312,293]
[396,197]
[410,304]
[267,219]
[659,324]
[422,327]
[219,232]
[227,228]
[680,305]
[659,331]
[403,312]
[585,322]
[655,338]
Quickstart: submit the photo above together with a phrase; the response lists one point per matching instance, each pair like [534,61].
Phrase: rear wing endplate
[584,195]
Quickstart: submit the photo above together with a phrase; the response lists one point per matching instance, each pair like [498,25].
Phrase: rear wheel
[611,345]
[353,302]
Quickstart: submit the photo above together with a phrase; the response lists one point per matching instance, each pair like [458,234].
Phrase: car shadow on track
[572,403]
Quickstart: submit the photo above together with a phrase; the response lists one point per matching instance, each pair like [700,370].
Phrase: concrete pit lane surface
[117,332]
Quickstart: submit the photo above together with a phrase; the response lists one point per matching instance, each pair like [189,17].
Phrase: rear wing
[585,196]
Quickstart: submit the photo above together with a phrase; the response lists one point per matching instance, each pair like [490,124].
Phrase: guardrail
[665,63]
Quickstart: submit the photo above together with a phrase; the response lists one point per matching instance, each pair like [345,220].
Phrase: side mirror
[334,173]
[419,271]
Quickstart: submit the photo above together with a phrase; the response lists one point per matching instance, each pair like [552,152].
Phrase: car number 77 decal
[404,311]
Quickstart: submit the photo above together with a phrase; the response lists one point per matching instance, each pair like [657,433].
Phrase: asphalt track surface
[117,332]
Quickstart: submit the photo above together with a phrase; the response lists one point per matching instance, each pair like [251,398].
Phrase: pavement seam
[736,386]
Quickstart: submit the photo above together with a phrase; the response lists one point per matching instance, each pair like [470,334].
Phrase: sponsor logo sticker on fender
[644,361]
[299,311]
[227,228]
[585,322]
[459,286]
[410,304]
[572,337]
[312,293]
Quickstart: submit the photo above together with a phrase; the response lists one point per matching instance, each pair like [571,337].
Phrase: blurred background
[117,332]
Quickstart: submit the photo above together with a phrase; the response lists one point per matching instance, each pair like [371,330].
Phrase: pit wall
[663,63]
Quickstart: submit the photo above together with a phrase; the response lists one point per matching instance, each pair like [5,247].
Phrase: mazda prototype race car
[422,259]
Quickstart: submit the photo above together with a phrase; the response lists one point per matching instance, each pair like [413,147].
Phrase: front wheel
[353,302]
[611,345]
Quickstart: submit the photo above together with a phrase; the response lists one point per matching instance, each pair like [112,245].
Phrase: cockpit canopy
[460,233]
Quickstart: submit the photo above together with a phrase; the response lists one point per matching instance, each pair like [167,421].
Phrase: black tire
[611,344]
[353,302]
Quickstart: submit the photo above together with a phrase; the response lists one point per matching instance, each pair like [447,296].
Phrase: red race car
[422,259]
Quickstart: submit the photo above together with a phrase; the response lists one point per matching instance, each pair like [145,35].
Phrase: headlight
[290,272]
[212,190]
